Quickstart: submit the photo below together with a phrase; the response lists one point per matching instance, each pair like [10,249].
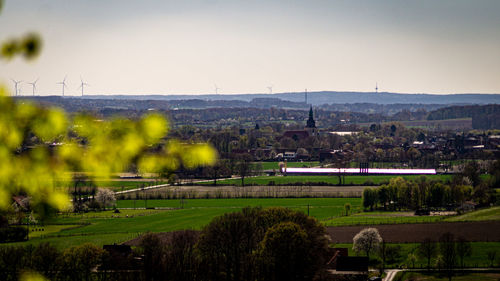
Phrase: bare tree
[244,167]
[427,250]
[464,249]
[448,250]
[367,240]
[491,256]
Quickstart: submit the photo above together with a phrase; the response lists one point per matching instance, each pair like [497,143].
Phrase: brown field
[260,191]
[485,231]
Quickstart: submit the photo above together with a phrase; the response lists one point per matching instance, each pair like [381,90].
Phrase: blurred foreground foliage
[41,147]
[29,46]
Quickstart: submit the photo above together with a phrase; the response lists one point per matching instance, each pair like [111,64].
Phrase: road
[391,274]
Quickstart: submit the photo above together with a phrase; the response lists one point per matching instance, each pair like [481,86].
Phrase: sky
[246,46]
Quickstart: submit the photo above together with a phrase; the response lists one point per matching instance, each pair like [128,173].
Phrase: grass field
[355,164]
[321,208]
[275,165]
[119,185]
[38,231]
[125,185]
[478,258]
[423,276]
[349,180]
[480,215]
[109,227]
[68,218]
[62,242]
[365,218]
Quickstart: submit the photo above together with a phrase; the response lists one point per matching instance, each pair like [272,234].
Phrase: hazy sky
[187,46]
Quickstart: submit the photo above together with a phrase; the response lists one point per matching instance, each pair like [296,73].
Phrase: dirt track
[485,231]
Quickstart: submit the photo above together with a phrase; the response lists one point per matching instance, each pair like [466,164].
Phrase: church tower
[311,124]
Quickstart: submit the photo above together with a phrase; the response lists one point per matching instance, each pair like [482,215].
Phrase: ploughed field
[481,231]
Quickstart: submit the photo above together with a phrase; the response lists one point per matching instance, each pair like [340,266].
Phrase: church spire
[310,122]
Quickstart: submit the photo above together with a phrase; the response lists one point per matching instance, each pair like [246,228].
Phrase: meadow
[460,276]
[275,165]
[365,218]
[106,227]
[479,215]
[331,180]
[478,258]
[109,227]
[119,185]
[372,218]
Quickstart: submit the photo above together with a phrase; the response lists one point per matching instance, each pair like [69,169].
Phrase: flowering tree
[105,197]
[367,240]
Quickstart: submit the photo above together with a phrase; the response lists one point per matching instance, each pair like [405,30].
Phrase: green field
[424,276]
[275,165]
[62,242]
[480,215]
[119,185]
[108,227]
[355,164]
[321,208]
[125,185]
[478,258]
[68,218]
[39,231]
[365,218]
[334,180]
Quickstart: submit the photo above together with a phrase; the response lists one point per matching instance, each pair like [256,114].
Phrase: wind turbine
[63,83]
[83,84]
[270,89]
[16,83]
[216,89]
[33,84]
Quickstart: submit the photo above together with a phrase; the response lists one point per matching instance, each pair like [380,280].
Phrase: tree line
[400,194]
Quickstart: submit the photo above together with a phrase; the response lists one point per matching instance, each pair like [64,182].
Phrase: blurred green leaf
[31,46]
[40,147]
[9,49]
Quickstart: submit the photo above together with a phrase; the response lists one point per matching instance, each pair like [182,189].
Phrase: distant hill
[483,117]
[328,97]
